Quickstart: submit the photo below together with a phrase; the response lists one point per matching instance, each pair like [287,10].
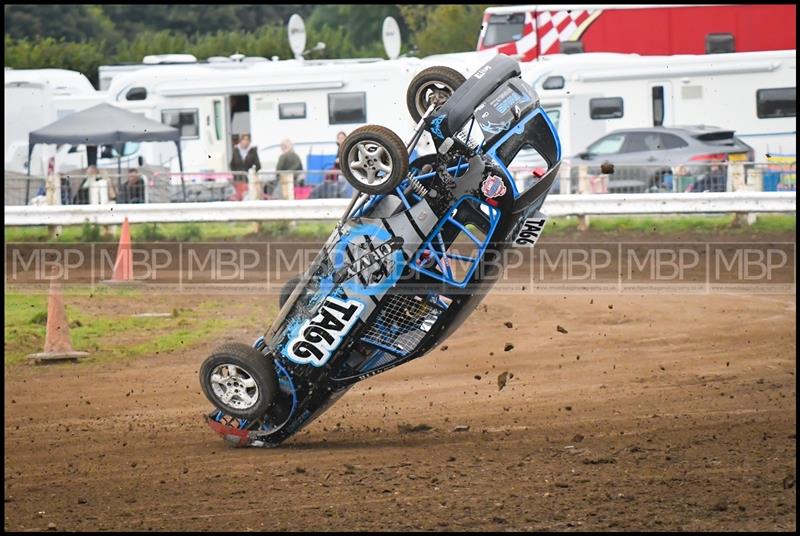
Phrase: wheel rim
[370,163]
[432,93]
[234,386]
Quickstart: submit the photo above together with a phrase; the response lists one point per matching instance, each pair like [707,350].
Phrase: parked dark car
[642,158]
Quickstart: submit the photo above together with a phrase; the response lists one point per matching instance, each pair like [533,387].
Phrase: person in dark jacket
[245,156]
[133,189]
[287,169]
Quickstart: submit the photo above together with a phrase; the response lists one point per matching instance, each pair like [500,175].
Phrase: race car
[419,246]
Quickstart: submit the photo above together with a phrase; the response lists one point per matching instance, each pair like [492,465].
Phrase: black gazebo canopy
[104,125]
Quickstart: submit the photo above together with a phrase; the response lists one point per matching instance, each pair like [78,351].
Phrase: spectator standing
[333,186]
[133,189]
[287,167]
[245,156]
[713,181]
[96,187]
[340,137]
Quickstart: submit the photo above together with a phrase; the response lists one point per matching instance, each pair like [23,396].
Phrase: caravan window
[553,82]
[780,102]
[292,110]
[605,108]
[136,93]
[347,108]
[184,120]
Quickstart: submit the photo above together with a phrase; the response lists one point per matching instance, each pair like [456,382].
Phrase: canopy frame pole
[180,166]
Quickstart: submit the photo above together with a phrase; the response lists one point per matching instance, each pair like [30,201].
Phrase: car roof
[690,130]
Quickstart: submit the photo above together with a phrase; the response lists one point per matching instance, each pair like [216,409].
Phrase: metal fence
[162,186]
[659,178]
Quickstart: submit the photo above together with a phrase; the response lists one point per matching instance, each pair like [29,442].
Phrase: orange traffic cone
[123,267]
[57,345]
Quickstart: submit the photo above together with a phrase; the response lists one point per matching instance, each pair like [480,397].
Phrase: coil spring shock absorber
[417,187]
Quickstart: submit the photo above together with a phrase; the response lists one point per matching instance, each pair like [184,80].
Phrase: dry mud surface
[650,412]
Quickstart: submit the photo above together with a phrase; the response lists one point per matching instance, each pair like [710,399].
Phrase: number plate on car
[530,231]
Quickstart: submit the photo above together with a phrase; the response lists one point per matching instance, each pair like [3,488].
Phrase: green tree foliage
[444,28]
[361,23]
[75,23]
[83,37]
[82,23]
[54,53]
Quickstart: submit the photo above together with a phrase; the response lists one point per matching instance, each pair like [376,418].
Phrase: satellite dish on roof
[297,35]
[391,37]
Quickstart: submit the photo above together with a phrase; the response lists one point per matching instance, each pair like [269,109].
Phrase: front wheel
[239,380]
[374,159]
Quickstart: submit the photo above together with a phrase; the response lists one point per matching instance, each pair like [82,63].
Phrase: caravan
[34,98]
[308,102]
[753,93]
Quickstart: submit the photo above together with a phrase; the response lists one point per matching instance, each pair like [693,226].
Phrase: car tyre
[374,159]
[239,380]
[433,85]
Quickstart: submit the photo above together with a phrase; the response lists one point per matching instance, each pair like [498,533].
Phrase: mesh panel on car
[402,323]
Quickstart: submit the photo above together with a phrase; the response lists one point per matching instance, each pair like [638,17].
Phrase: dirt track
[679,414]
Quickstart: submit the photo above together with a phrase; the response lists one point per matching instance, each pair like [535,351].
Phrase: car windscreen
[504,29]
[537,134]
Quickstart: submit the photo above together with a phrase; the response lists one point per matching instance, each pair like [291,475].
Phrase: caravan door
[216,128]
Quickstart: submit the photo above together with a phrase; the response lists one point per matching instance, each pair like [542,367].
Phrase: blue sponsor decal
[436,126]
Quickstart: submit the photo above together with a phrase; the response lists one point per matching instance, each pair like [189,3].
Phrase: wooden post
[53,197]
[583,180]
[565,180]
[253,184]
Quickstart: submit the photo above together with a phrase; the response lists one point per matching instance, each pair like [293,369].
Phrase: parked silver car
[643,157]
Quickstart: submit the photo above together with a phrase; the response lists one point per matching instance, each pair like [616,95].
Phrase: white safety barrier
[332,209]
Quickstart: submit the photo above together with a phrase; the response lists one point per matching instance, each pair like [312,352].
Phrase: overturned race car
[417,249]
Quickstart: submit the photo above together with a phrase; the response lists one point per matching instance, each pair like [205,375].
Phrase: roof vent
[155,59]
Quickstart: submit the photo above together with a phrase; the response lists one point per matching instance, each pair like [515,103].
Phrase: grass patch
[319,230]
[102,324]
[674,224]
[181,232]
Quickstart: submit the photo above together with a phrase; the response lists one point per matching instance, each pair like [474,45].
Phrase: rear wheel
[433,85]
[239,380]
[374,159]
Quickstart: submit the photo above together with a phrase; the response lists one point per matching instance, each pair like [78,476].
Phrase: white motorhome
[107,73]
[590,94]
[308,102]
[34,98]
